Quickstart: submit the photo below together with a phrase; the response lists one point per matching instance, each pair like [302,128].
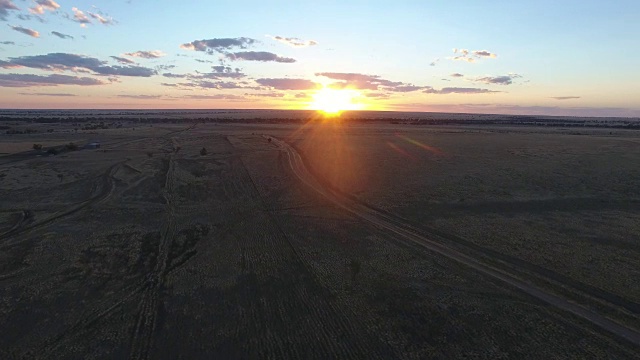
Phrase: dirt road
[409,235]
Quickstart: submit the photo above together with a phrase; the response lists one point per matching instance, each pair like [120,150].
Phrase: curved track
[407,234]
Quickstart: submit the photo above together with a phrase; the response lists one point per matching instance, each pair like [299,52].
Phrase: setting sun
[332,102]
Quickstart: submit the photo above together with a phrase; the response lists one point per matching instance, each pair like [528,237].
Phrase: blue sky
[538,57]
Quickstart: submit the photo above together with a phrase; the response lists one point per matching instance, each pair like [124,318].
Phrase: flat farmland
[150,247]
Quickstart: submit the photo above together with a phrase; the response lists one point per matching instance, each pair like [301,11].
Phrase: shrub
[203,151]
[150,154]
[71,146]
[37,147]
[52,151]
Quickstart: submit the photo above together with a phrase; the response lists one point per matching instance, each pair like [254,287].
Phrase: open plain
[325,239]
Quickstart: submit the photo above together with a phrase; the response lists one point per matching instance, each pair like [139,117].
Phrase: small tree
[37,147]
[203,151]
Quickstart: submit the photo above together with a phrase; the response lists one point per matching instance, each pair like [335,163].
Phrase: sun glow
[333,102]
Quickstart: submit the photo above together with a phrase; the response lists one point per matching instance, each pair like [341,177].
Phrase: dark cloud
[259,56]
[203,61]
[295,42]
[7,43]
[565,97]
[122,60]
[220,72]
[456,75]
[153,54]
[458,90]
[73,62]
[289,84]
[28,80]
[498,80]
[5,6]
[484,53]
[61,35]
[175,76]
[25,31]
[219,45]
[302,96]
[169,85]
[49,94]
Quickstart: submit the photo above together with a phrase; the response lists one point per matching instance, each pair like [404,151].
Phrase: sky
[560,57]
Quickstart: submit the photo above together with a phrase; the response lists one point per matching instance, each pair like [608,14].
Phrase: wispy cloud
[7,43]
[263,56]
[73,62]
[25,31]
[498,80]
[5,6]
[288,84]
[471,56]
[153,54]
[122,60]
[141,97]
[456,75]
[219,44]
[49,94]
[29,80]
[42,5]
[61,35]
[458,90]
[565,97]
[367,82]
[80,17]
[294,41]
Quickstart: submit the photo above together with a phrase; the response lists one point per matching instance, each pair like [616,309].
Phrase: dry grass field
[150,248]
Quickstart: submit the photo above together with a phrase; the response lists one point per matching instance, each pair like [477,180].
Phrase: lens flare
[332,102]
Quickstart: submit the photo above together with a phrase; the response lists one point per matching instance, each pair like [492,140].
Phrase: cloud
[289,84]
[215,97]
[153,54]
[457,90]
[28,80]
[80,17]
[122,60]
[367,82]
[175,76]
[26,31]
[61,35]
[434,62]
[259,56]
[565,97]
[498,80]
[101,19]
[484,53]
[42,5]
[271,95]
[477,54]
[141,97]
[168,84]
[49,94]
[5,6]
[378,95]
[456,75]
[293,41]
[7,43]
[218,45]
[73,62]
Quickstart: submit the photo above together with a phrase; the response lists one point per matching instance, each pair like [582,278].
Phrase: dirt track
[406,233]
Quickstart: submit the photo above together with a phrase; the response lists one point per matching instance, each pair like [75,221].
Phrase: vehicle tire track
[144,329]
[107,187]
[406,234]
